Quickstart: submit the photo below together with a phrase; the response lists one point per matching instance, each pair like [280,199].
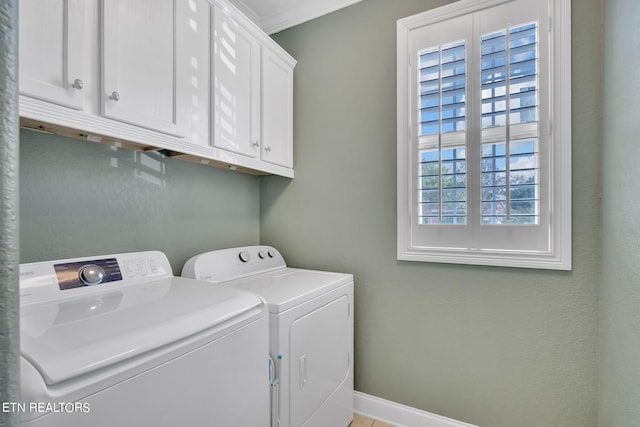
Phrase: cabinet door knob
[115,96]
[256,144]
[267,148]
[77,84]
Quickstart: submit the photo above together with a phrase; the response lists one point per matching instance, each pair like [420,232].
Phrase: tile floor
[360,421]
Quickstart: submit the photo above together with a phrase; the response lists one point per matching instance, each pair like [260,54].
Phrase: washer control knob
[271,253]
[91,274]
[244,256]
[262,255]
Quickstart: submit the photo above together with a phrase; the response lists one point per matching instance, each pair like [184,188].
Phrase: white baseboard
[399,415]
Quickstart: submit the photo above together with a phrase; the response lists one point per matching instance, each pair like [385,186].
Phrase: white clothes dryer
[311,331]
[118,340]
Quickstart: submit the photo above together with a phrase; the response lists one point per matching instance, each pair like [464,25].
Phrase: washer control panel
[87,273]
[54,279]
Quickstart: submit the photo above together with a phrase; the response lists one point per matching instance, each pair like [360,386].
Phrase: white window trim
[558,257]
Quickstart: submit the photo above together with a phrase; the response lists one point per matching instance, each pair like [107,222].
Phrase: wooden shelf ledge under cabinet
[130,145]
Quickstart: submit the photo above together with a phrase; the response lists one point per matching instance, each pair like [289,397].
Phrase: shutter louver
[442,141]
[510,152]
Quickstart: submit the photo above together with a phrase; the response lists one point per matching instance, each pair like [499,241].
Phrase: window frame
[411,244]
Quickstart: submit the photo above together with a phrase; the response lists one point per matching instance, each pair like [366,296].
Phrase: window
[484,134]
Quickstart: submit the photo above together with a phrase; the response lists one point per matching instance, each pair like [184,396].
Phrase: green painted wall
[83,199]
[620,293]
[496,347]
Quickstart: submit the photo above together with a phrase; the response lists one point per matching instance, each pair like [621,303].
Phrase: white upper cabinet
[277,108]
[140,69]
[194,78]
[252,81]
[52,34]
[235,83]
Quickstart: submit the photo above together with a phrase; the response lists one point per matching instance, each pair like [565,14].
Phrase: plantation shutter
[479,171]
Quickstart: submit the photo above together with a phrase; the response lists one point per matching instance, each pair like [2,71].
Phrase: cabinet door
[140,71]
[52,33]
[235,83]
[277,109]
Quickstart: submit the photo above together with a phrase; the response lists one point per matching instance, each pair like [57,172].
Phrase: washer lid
[67,338]
[288,287]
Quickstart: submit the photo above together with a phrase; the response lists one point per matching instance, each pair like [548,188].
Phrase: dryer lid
[288,287]
[67,338]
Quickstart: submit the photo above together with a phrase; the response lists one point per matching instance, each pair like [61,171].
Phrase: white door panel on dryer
[320,357]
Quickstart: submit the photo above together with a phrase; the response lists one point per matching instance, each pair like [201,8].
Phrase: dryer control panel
[233,263]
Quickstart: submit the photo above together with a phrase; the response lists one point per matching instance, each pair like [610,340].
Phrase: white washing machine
[117,340]
[311,331]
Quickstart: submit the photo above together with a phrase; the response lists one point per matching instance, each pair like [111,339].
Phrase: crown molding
[288,15]
[246,10]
